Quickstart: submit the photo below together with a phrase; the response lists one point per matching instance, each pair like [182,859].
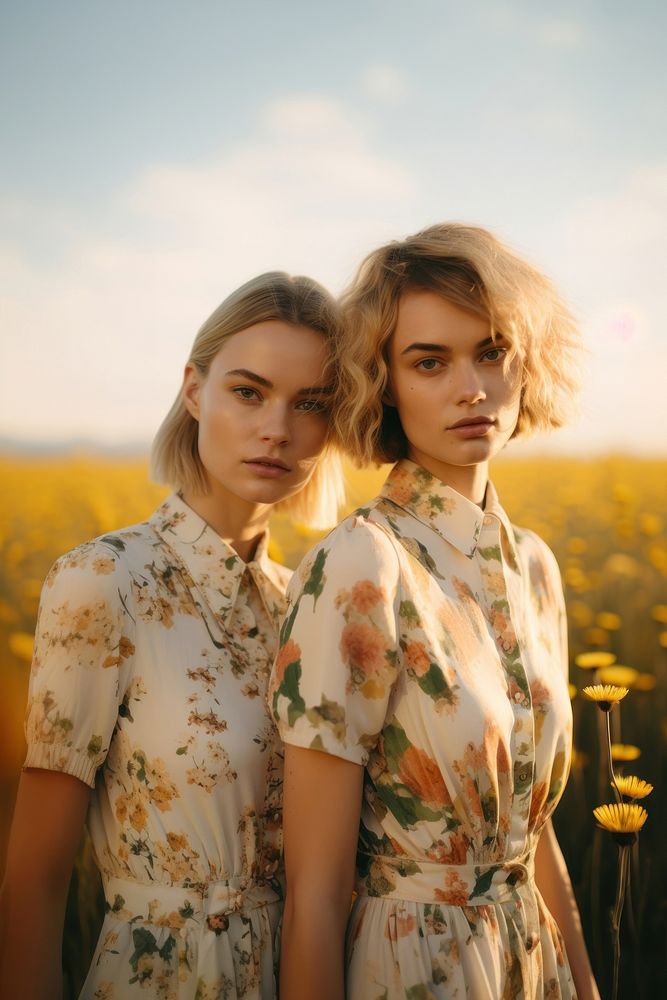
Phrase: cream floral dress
[148,683]
[425,640]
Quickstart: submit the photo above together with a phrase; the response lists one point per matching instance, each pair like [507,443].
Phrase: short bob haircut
[475,271]
[271,296]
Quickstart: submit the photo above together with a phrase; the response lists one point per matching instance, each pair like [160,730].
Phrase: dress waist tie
[452,885]
[169,905]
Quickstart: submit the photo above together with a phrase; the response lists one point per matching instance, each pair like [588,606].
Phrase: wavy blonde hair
[472,269]
[272,296]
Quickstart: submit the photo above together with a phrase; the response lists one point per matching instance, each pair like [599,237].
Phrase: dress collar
[455,518]
[216,568]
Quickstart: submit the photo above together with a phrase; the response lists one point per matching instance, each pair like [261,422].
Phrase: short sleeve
[83,658]
[337,663]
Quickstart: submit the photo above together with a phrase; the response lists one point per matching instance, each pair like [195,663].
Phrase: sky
[158,153]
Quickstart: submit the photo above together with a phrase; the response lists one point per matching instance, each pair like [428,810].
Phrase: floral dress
[148,683]
[425,640]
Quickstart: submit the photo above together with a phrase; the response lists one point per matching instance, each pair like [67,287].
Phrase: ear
[192,382]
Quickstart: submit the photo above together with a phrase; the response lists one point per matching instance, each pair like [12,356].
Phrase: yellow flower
[605,695]
[20,644]
[608,620]
[572,690]
[579,760]
[632,787]
[662,639]
[623,821]
[623,676]
[594,661]
[645,682]
[596,636]
[659,613]
[622,753]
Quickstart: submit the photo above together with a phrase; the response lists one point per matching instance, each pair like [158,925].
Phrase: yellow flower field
[605,520]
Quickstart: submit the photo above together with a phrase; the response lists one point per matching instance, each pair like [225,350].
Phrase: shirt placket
[497,583]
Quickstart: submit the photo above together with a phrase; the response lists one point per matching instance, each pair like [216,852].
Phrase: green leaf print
[435,686]
[116,906]
[94,746]
[418,992]
[230,562]
[331,713]
[483,880]
[181,750]
[288,623]
[289,688]
[408,612]
[405,807]
[315,583]
[395,743]
[490,552]
[116,543]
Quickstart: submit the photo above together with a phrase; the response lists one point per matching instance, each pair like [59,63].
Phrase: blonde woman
[421,684]
[147,697]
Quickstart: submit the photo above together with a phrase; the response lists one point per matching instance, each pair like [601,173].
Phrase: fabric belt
[170,905]
[452,885]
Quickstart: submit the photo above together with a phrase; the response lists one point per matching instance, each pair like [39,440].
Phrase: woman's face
[262,411]
[456,390]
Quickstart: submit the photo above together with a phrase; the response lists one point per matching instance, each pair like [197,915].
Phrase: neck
[238,522]
[468,480]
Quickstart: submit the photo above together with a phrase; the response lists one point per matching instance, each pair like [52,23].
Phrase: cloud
[100,336]
[385,84]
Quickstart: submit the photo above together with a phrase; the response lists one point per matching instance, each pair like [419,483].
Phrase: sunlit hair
[472,269]
[271,296]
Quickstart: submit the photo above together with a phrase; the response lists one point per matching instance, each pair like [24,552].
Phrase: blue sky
[158,153]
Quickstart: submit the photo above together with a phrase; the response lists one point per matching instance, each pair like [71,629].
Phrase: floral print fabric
[425,640]
[148,683]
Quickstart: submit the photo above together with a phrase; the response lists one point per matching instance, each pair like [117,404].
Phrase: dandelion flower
[623,676]
[605,695]
[632,787]
[572,691]
[623,821]
[623,753]
[659,613]
[595,660]
[662,639]
[596,636]
[20,644]
[608,620]
[645,682]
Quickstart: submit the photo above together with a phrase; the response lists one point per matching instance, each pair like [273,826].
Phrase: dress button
[518,696]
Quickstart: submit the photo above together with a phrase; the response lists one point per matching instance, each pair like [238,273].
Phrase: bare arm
[553,881]
[48,822]
[322,805]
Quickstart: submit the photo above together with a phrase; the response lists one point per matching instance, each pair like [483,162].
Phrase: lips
[268,462]
[471,422]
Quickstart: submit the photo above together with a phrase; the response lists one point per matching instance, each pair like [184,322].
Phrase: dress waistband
[452,885]
[172,905]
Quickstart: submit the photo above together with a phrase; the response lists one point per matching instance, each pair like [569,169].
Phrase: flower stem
[623,858]
[617,794]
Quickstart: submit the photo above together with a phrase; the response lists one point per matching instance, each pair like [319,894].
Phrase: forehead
[275,350]
[425,315]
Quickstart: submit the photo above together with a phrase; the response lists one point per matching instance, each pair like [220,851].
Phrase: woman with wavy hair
[421,684]
[147,695]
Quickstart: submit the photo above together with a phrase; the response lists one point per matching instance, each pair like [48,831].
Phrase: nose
[275,427]
[469,385]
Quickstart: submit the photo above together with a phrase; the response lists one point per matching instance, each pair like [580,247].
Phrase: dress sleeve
[83,658]
[337,664]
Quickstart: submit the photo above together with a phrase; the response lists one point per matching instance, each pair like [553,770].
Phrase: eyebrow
[318,390]
[444,349]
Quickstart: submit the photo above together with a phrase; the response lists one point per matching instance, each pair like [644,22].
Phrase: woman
[149,678]
[421,682]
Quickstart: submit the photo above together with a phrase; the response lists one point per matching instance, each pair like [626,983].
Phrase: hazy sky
[157,153]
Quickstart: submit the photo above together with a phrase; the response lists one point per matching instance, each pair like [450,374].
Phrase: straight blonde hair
[472,269]
[272,296]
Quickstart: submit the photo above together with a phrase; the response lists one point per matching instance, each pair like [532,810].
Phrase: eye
[312,406]
[494,354]
[429,364]
[245,392]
